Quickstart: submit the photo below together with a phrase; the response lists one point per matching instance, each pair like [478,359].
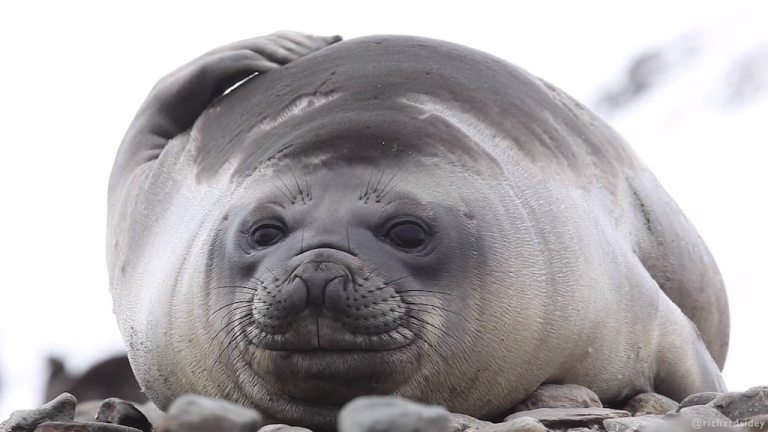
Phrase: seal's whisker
[438,329]
[298,186]
[231,304]
[282,191]
[386,192]
[426,330]
[237,326]
[292,199]
[411,303]
[371,272]
[229,327]
[349,247]
[231,316]
[368,186]
[396,280]
[378,182]
[386,185]
[237,286]
[273,273]
[425,291]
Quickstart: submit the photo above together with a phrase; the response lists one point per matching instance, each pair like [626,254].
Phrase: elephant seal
[396,215]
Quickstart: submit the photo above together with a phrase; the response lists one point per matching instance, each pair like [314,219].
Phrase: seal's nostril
[296,298]
[315,278]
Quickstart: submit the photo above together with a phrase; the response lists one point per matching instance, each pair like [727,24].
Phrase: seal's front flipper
[179,98]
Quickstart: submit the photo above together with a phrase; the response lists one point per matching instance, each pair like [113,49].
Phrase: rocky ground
[550,408]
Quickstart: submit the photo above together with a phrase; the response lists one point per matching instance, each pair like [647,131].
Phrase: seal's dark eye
[407,235]
[266,234]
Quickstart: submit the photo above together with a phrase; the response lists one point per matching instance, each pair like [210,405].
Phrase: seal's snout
[317,286]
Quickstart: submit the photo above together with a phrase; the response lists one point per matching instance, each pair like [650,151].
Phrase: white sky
[73,73]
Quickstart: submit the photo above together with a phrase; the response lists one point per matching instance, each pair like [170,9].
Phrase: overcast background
[686,83]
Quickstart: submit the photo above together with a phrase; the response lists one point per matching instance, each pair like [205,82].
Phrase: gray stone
[738,406]
[62,408]
[386,413]
[120,412]
[194,413]
[698,399]
[83,427]
[465,423]
[520,424]
[559,396]
[700,417]
[283,428]
[755,424]
[564,418]
[86,411]
[631,424]
[650,404]
[153,413]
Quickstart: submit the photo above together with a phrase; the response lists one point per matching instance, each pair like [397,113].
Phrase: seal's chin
[333,377]
[321,333]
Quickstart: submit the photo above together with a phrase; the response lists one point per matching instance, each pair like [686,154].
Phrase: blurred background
[685,82]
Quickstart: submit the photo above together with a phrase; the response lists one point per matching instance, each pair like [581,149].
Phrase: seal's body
[397,215]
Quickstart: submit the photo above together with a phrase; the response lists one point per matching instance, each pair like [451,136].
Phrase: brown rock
[388,413]
[631,424]
[565,418]
[194,413]
[701,417]
[739,406]
[83,427]
[62,408]
[755,424]
[650,404]
[465,423]
[120,412]
[520,424]
[86,411]
[152,412]
[698,399]
[283,428]
[559,396]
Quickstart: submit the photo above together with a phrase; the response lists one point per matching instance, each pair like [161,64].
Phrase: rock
[564,418]
[283,428]
[520,424]
[465,423]
[650,404]
[386,413]
[755,424]
[559,396]
[194,413]
[701,417]
[111,377]
[631,424]
[83,427]
[120,412]
[698,399]
[738,406]
[86,411]
[62,408]
[152,412]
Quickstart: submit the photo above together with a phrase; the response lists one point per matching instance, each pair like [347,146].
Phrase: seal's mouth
[317,333]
